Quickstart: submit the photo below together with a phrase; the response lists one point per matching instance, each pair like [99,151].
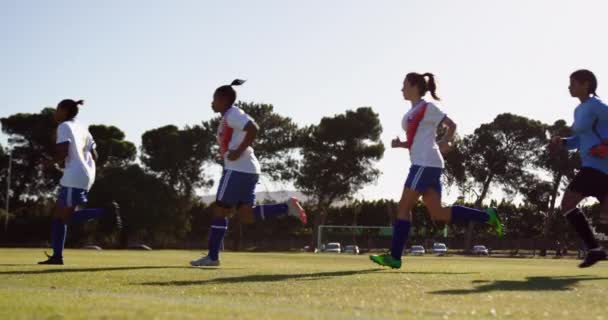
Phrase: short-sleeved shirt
[424,151]
[230,135]
[79,170]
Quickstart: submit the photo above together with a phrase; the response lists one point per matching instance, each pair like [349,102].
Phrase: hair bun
[79,102]
[237,82]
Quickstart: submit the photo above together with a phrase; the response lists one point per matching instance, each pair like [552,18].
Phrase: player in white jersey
[75,150]
[424,179]
[236,192]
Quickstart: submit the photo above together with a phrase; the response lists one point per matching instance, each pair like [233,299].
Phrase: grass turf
[161,285]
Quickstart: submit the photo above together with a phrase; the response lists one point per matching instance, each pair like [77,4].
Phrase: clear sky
[144,64]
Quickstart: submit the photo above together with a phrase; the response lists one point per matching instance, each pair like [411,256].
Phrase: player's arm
[251,130]
[444,143]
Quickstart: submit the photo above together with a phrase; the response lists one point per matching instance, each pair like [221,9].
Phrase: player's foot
[386,260]
[295,210]
[494,221]
[593,256]
[52,260]
[205,261]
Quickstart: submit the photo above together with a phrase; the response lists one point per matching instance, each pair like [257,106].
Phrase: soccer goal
[364,237]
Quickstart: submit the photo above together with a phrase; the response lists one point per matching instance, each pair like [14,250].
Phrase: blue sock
[85,215]
[401,229]
[266,211]
[464,215]
[216,236]
[59,231]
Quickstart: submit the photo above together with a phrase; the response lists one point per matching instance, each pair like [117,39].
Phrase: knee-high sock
[580,223]
[85,215]
[216,236]
[269,211]
[463,215]
[401,230]
[59,231]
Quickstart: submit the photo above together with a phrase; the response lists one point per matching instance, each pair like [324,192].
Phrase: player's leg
[587,182]
[459,214]
[81,215]
[61,214]
[222,209]
[401,228]
[291,208]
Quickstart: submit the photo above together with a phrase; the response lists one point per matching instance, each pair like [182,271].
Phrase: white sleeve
[64,133]
[434,114]
[91,145]
[238,120]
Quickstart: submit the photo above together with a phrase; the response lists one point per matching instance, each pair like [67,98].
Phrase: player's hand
[444,146]
[234,155]
[397,143]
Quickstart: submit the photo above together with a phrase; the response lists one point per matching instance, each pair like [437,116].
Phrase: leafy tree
[338,158]
[31,136]
[500,152]
[112,148]
[178,156]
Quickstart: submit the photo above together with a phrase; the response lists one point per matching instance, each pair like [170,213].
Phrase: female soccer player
[424,179]
[75,150]
[241,172]
[590,137]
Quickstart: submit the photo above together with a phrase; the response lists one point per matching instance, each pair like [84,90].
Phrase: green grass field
[160,285]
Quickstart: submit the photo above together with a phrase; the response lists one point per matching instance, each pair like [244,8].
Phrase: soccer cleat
[295,210]
[205,262]
[386,260]
[494,221]
[592,257]
[52,260]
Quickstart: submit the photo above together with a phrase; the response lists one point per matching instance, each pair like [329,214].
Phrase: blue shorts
[72,197]
[237,188]
[422,179]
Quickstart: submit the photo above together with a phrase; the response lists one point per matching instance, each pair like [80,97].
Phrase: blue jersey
[590,127]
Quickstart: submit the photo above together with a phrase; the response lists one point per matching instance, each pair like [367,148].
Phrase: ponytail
[431,85]
[237,82]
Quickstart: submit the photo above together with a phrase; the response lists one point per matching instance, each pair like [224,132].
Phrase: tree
[338,157]
[560,165]
[178,156]
[112,148]
[500,152]
[31,136]
[150,208]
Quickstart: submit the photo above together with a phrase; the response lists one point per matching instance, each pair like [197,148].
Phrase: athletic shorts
[590,183]
[237,188]
[422,179]
[72,197]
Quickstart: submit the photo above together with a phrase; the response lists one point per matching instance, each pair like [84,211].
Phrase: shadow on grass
[75,270]
[564,283]
[264,278]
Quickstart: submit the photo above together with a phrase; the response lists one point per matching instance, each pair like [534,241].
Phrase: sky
[144,64]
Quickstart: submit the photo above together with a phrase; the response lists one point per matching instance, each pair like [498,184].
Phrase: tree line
[329,162]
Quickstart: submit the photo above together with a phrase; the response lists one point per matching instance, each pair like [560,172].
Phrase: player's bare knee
[221,210]
[245,213]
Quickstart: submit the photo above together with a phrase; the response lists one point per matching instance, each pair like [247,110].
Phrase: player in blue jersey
[590,138]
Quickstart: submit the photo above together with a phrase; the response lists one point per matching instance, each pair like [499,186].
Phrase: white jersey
[230,135]
[79,170]
[422,121]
